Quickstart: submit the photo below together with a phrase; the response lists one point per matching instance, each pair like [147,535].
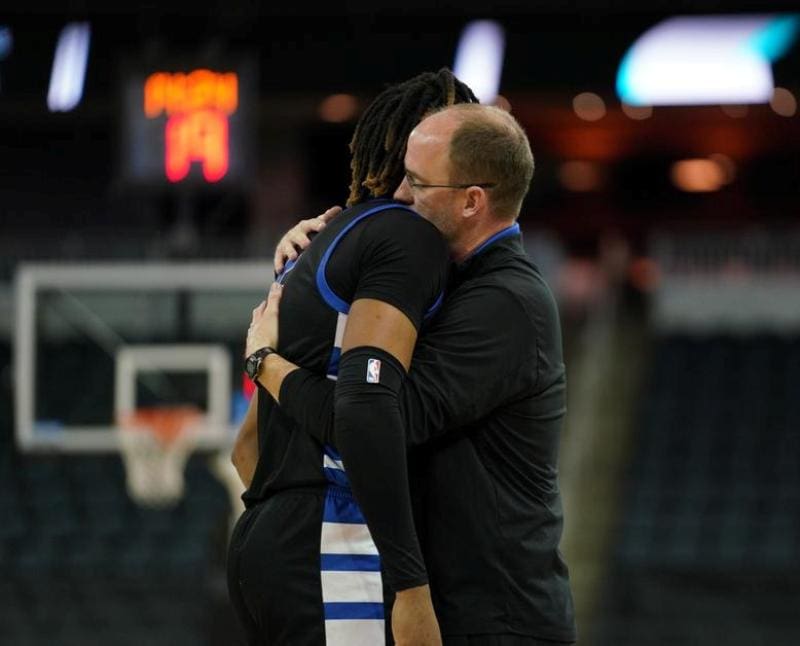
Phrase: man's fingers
[330,214]
[277,259]
[298,238]
[274,298]
[258,311]
[284,252]
[281,255]
[307,226]
[286,249]
[316,225]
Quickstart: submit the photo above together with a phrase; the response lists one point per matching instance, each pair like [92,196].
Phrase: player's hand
[263,330]
[413,620]
[297,238]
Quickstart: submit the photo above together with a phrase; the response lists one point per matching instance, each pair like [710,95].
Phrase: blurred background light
[777,37]
[69,67]
[637,112]
[581,176]
[6,44]
[338,108]
[704,60]
[6,41]
[479,58]
[644,274]
[783,102]
[735,111]
[589,106]
[698,175]
[726,164]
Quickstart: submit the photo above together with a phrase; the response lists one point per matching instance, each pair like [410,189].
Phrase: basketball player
[487,382]
[307,564]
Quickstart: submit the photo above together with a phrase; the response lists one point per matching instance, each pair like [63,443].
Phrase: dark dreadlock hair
[379,141]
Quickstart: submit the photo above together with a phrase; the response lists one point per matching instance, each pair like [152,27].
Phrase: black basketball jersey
[379,249]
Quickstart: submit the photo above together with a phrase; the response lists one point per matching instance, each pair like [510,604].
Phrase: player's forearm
[245,449]
[245,458]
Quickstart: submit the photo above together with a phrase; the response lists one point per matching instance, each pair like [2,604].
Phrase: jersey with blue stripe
[381,250]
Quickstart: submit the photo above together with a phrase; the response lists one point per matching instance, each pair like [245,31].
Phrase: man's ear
[475,201]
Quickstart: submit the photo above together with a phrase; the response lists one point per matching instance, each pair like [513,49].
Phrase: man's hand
[296,239]
[413,620]
[263,330]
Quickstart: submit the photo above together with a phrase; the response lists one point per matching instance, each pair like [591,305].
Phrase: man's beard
[441,221]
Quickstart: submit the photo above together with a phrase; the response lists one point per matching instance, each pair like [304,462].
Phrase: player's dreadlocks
[379,141]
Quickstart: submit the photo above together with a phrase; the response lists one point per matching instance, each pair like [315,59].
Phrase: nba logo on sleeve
[373,371]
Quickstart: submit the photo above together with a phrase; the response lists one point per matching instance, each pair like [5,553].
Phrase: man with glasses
[484,399]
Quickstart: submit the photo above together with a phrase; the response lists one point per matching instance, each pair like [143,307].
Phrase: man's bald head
[487,146]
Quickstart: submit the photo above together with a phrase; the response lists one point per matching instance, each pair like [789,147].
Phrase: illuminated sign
[706,60]
[479,58]
[197,106]
[166,93]
[69,67]
[188,124]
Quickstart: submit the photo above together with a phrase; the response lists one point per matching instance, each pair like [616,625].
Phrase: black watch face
[250,366]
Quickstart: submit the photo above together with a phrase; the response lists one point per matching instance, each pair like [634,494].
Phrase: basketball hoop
[155,444]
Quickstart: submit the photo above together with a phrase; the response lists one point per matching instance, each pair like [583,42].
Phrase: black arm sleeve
[371,440]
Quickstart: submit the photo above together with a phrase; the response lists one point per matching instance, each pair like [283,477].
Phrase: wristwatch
[253,363]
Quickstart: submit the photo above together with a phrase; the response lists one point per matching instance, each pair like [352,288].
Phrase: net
[155,444]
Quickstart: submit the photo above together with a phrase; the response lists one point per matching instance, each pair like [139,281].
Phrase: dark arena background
[150,158]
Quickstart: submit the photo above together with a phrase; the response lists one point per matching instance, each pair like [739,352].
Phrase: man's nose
[403,193]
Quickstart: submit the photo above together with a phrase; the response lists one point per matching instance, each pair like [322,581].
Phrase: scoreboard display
[188,125]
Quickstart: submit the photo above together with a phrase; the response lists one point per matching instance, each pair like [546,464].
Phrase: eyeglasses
[414,184]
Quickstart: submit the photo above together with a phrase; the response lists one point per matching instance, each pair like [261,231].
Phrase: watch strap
[252,364]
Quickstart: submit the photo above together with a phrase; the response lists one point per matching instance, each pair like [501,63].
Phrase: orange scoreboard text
[197,106]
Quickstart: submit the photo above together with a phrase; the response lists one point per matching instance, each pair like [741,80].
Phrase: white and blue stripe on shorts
[352,586]
[350,566]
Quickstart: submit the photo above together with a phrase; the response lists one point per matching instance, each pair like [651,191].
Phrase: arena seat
[710,522]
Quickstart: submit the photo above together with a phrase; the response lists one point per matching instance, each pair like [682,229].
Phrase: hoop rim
[165,423]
